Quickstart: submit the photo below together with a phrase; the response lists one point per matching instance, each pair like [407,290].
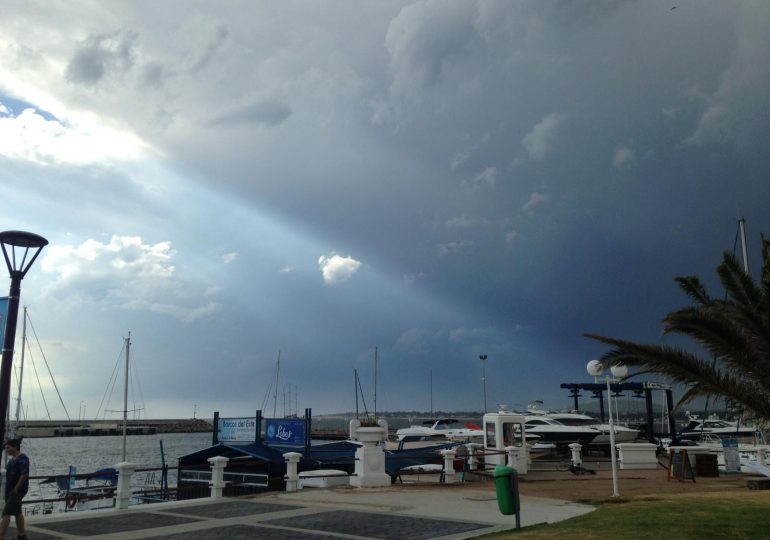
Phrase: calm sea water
[54,456]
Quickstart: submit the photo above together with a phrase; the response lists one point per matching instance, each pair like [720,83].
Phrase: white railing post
[449,466]
[123,493]
[218,464]
[292,476]
[577,459]
[473,461]
[512,453]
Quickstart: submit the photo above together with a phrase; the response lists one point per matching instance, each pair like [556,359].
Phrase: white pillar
[512,453]
[370,459]
[577,460]
[292,476]
[353,426]
[473,461]
[123,493]
[449,466]
[218,464]
[761,456]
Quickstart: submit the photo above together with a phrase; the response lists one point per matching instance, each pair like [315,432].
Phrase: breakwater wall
[69,428]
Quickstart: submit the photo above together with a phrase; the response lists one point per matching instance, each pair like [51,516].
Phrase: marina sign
[285,432]
[237,429]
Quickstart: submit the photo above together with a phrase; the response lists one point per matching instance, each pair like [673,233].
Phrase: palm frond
[738,284]
[693,288]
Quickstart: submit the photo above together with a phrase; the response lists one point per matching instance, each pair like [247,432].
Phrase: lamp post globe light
[595,369]
[20,249]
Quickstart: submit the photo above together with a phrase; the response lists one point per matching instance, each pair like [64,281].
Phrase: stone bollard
[473,462]
[123,493]
[512,453]
[218,464]
[577,460]
[449,466]
[762,456]
[292,476]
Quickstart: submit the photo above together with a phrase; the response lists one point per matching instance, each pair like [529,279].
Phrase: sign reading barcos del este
[237,429]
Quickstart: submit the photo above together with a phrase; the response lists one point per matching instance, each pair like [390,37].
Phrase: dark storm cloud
[265,112]
[99,55]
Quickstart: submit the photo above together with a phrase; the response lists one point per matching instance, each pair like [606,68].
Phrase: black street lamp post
[20,250]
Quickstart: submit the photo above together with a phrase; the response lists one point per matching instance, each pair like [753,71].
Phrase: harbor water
[51,456]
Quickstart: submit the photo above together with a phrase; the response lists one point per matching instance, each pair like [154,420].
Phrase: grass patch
[701,516]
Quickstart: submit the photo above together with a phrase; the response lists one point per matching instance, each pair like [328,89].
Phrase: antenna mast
[744,250]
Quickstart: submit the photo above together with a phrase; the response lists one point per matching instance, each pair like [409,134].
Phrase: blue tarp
[321,455]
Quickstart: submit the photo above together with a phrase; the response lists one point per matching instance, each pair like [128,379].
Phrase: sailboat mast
[21,367]
[744,250]
[355,385]
[275,391]
[125,397]
[375,382]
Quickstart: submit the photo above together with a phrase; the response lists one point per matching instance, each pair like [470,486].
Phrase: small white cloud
[487,177]
[4,109]
[538,141]
[462,333]
[410,279]
[453,247]
[535,200]
[670,112]
[286,269]
[460,222]
[510,236]
[227,258]
[337,269]
[212,290]
[624,158]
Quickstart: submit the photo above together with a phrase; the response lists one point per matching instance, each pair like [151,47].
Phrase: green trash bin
[507,488]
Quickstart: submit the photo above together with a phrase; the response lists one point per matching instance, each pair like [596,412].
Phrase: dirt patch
[631,484]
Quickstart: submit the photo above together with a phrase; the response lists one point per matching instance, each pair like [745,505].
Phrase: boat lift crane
[639,388]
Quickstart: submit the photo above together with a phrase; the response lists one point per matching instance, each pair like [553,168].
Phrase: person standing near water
[16,485]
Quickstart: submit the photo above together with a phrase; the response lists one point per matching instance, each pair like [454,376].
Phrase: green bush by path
[734,515]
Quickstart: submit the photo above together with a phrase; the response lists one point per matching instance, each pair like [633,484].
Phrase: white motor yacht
[713,427]
[553,431]
[440,429]
[623,434]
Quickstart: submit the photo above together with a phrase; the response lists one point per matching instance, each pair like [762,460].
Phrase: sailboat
[96,490]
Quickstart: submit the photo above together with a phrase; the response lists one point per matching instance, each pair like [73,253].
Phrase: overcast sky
[437,179]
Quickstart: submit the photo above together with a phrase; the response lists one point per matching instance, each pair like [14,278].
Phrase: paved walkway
[399,513]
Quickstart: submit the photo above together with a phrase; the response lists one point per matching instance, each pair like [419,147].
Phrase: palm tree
[734,332]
